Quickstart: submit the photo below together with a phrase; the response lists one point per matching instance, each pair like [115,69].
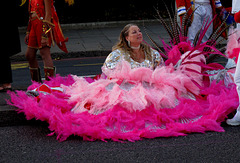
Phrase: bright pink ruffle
[118,123]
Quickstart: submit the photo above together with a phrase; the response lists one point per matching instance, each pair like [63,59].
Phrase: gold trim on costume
[23,2]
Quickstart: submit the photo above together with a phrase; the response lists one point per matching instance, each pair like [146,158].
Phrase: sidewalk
[90,39]
[85,40]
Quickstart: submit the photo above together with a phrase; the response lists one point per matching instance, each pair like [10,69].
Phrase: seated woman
[130,70]
[131,48]
[139,98]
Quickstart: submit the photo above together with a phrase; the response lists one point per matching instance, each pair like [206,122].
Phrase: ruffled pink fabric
[134,89]
[118,123]
[96,111]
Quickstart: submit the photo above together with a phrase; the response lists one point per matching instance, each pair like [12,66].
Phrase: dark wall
[98,11]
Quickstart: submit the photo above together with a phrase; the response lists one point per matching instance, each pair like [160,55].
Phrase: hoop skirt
[130,104]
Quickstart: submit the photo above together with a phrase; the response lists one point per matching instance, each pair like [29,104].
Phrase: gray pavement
[29,143]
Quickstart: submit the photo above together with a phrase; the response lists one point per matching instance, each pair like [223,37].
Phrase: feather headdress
[178,36]
[180,51]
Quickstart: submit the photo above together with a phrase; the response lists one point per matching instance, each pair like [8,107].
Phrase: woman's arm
[46,22]
[48,13]
[157,59]
[112,59]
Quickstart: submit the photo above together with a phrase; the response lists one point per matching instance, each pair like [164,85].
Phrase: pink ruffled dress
[135,100]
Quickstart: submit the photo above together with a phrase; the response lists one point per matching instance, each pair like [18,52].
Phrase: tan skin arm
[48,17]
[48,13]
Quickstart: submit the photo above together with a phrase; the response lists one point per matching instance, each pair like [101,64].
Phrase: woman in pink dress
[136,97]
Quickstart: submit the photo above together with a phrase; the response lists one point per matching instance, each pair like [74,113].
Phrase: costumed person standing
[235,10]
[235,121]
[205,9]
[11,46]
[43,29]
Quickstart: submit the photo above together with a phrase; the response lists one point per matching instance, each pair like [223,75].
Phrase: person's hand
[26,39]
[219,11]
[44,42]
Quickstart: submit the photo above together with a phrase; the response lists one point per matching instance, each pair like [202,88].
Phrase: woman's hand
[26,39]
[44,42]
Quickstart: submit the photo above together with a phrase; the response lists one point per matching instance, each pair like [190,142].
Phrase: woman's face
[134,36]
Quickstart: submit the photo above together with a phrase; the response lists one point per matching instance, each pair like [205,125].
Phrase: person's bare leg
[33,64]
[31,57]
[46,56]
[49,69]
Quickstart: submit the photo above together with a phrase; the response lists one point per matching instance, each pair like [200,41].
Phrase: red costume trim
[37,6]
[35,35]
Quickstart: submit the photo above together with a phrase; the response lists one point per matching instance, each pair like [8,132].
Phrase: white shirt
[235,6]
[202,1]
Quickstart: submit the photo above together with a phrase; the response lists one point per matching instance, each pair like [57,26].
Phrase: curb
[111,24]
[62,55]
[96,25]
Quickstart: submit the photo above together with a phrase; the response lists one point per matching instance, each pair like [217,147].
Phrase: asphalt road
[28,142]
[76,66]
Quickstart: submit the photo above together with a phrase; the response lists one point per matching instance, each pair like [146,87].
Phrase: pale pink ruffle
[119,123]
